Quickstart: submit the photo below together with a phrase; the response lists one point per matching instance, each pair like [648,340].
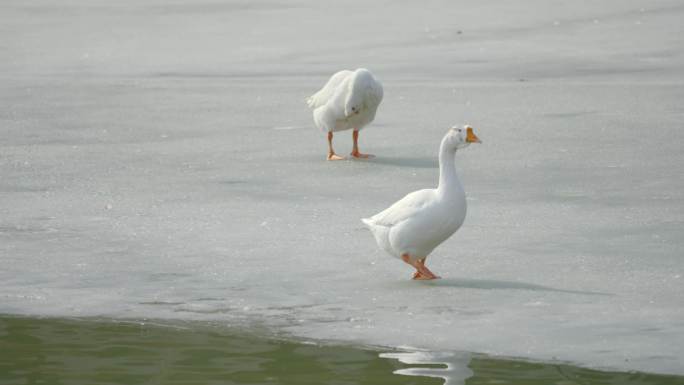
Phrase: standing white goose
[348,100]
[413,226]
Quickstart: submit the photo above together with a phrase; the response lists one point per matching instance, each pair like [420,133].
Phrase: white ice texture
[158,161]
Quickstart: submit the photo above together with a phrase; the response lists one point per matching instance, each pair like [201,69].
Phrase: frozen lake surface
[157,160]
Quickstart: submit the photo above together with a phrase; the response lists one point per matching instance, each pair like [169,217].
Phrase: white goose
[413,226]
[348,100]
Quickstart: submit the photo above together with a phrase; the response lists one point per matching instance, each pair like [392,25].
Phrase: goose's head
[458,137]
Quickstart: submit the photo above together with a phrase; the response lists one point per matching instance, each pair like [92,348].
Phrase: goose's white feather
[326,93]
[409,206]
[348,100]
[419,222]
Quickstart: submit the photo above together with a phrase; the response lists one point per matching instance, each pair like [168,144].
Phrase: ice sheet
[157,160]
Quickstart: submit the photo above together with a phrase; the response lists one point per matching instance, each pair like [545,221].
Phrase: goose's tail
[381,235]
[312,101]
[368,222]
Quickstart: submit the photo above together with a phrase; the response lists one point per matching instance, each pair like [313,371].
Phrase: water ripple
[454,372]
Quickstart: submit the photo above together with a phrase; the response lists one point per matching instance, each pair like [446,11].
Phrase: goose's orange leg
[430,274]
[422,272]
[355,149]
[331,152]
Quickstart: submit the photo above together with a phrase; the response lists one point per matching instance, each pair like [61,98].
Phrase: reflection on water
[454,372]
[50,351]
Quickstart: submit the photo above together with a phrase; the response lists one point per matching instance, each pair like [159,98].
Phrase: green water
[56,351]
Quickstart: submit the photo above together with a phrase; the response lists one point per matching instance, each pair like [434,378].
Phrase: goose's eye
[460,130]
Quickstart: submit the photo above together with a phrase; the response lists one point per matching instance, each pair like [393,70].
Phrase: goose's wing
[405,208]
[328,91]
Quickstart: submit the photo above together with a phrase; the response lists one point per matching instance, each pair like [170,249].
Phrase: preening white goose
[413,226]
[349,99]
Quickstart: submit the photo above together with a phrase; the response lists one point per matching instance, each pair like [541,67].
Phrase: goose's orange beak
[471,137]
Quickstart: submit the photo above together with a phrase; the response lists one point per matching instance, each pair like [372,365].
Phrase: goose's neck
[448,180]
